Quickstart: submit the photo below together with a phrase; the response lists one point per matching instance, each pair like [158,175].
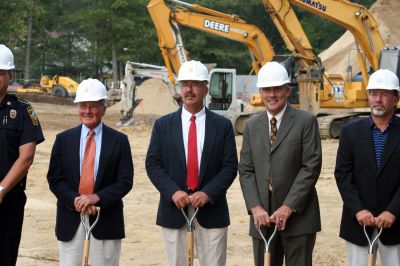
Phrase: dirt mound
[156,99]
[342,52]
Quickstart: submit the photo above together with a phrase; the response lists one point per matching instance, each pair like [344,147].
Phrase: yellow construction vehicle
[333,97]
[222,96]
[167,21]
[60,86]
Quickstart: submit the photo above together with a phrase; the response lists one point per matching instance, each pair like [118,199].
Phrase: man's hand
[366,218]
[199,199]
[281,215]
[90,210]
[260,217]
[181,199]
[85,204]
[385,220]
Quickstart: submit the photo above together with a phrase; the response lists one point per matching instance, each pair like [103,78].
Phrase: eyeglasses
[93,107]
[192,84]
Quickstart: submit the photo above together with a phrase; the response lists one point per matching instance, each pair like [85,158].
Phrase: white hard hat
[272,74]
[90,90]
[6,58]
[193,70]
[383,79]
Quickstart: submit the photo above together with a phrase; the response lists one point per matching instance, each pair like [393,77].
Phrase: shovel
[88,230]
[371,243]
[267,254]
[190,242]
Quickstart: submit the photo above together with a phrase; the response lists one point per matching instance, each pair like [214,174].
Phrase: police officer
[20,132]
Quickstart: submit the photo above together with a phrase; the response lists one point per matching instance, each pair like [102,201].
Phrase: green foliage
[78,35]
[13,16]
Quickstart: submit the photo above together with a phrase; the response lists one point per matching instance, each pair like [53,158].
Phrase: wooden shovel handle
[370,259]
[267,259]
[85,255]
[190,244]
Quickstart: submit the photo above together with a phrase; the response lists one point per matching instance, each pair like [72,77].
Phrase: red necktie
[86,184]
[192,177]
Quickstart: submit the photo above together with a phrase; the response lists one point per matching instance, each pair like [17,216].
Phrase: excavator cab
[390,59]
[220,90]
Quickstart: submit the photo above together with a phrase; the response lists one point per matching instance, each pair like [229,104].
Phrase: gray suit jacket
[293,162]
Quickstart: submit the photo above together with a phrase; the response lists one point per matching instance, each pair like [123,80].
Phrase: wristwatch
[2,190]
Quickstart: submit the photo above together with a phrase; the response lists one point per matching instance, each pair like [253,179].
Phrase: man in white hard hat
[20,132]
[368,174]
[90,167]
[280,162]
[192,161]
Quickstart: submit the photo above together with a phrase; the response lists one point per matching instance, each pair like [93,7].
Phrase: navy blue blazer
[114,180]
[364,186]
[166,168]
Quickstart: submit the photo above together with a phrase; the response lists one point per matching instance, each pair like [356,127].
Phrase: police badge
[13,113]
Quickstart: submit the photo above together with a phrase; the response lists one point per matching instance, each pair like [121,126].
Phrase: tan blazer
[293,162]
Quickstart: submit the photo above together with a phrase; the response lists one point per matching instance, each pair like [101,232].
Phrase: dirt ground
[143,244]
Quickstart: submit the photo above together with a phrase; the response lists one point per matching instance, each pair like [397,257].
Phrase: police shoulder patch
[32,114]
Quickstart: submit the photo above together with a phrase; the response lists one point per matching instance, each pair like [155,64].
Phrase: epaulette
[23,101]
[16,101]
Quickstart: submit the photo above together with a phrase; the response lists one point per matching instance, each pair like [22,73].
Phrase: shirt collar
[97,130]
[187,115]
[373,126]
[278,116]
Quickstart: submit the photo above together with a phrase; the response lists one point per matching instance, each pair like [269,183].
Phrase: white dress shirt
[278,118]
[200,131]
[98,130]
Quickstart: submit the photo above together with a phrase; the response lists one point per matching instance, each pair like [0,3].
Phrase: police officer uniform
[19,125]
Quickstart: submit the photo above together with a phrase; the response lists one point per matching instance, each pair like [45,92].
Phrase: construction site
[144,244]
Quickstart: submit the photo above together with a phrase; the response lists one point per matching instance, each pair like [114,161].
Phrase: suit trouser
[358,255]
[11,220]
[297,251]
[210,245]
[101,253]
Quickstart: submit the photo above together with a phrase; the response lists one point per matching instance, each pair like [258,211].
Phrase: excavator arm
[355,18]
[291,31]
[167,21]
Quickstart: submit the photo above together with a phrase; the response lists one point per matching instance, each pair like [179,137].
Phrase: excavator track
[330,125]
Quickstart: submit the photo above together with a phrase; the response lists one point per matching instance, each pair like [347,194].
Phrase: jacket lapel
[75,146]
[209,138]
[107,144]
[262,130]
[391,143]
[176,124]
[284,127]
[366,134]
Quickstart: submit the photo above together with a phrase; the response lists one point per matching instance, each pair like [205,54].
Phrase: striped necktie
[274,130]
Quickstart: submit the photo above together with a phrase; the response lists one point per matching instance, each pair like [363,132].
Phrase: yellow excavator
[334,98]
[167,21]
[222,96]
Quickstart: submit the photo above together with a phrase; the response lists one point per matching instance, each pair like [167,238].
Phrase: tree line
[94,38]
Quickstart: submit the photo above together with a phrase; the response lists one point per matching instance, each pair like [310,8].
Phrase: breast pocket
[11,131]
